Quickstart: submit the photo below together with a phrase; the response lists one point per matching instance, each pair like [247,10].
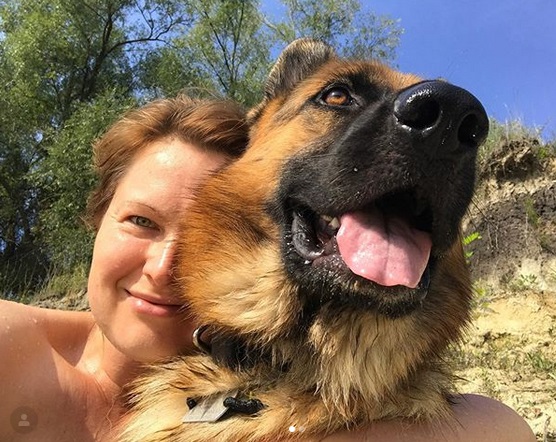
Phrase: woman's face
[130,289]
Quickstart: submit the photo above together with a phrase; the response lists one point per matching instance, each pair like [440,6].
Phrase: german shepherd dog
[326,264]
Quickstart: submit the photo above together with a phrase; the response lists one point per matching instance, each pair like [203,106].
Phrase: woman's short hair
[211,124]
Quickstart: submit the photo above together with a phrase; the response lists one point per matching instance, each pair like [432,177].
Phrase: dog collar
[226,350]
[232,353]
[216,407]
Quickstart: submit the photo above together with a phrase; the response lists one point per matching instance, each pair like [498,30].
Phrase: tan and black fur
[320,347]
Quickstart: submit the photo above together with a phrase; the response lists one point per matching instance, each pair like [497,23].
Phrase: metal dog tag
[209,409]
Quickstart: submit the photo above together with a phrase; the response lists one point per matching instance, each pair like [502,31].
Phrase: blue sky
[503,51]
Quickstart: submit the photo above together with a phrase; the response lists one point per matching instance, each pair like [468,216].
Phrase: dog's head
[348,200]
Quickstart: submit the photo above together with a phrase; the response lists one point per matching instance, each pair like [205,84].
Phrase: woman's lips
[149,306]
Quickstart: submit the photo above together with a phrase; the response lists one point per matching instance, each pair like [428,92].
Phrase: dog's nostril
[441,117]
[422,115]
[471,131]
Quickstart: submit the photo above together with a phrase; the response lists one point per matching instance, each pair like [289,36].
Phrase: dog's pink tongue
[384,249]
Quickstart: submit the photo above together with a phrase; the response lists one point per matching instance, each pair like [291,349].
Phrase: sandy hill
[511,351]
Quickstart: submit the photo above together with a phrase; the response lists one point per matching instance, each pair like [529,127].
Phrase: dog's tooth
[334,223]
[330,222]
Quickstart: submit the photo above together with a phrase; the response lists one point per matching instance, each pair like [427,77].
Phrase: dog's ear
[299,60]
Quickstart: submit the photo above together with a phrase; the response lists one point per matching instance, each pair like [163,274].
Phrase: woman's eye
[141,221]
[337,96]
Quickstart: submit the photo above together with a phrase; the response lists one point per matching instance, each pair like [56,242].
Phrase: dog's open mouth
[387,242]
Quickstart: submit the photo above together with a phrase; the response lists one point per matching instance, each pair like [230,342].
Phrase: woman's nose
[159,264]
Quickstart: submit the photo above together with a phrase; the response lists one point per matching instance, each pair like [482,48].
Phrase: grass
[524,282]
[540,363]
[467,241]
[502,134]
[532,214]
[59,285]
[482,297]
[505,353]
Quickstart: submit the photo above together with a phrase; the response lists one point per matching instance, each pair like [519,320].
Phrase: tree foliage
[352,31]
[70,67]
[66,178]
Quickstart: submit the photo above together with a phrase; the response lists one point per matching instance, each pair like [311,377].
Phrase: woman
[62,372]
[66,369]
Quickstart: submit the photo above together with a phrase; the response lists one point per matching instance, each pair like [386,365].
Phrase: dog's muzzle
[402,177]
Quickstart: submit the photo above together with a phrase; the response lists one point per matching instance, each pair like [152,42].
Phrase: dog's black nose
[441,116]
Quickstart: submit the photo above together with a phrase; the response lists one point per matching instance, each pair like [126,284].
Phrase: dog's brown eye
[337,96]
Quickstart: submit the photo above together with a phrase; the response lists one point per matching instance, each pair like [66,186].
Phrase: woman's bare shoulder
[477,419]
[32,366]
[16,318]
[29,327]
[19,315]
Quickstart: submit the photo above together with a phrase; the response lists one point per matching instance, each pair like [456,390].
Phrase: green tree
[344,24]
[66,177]
[57,56]
[226,49]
